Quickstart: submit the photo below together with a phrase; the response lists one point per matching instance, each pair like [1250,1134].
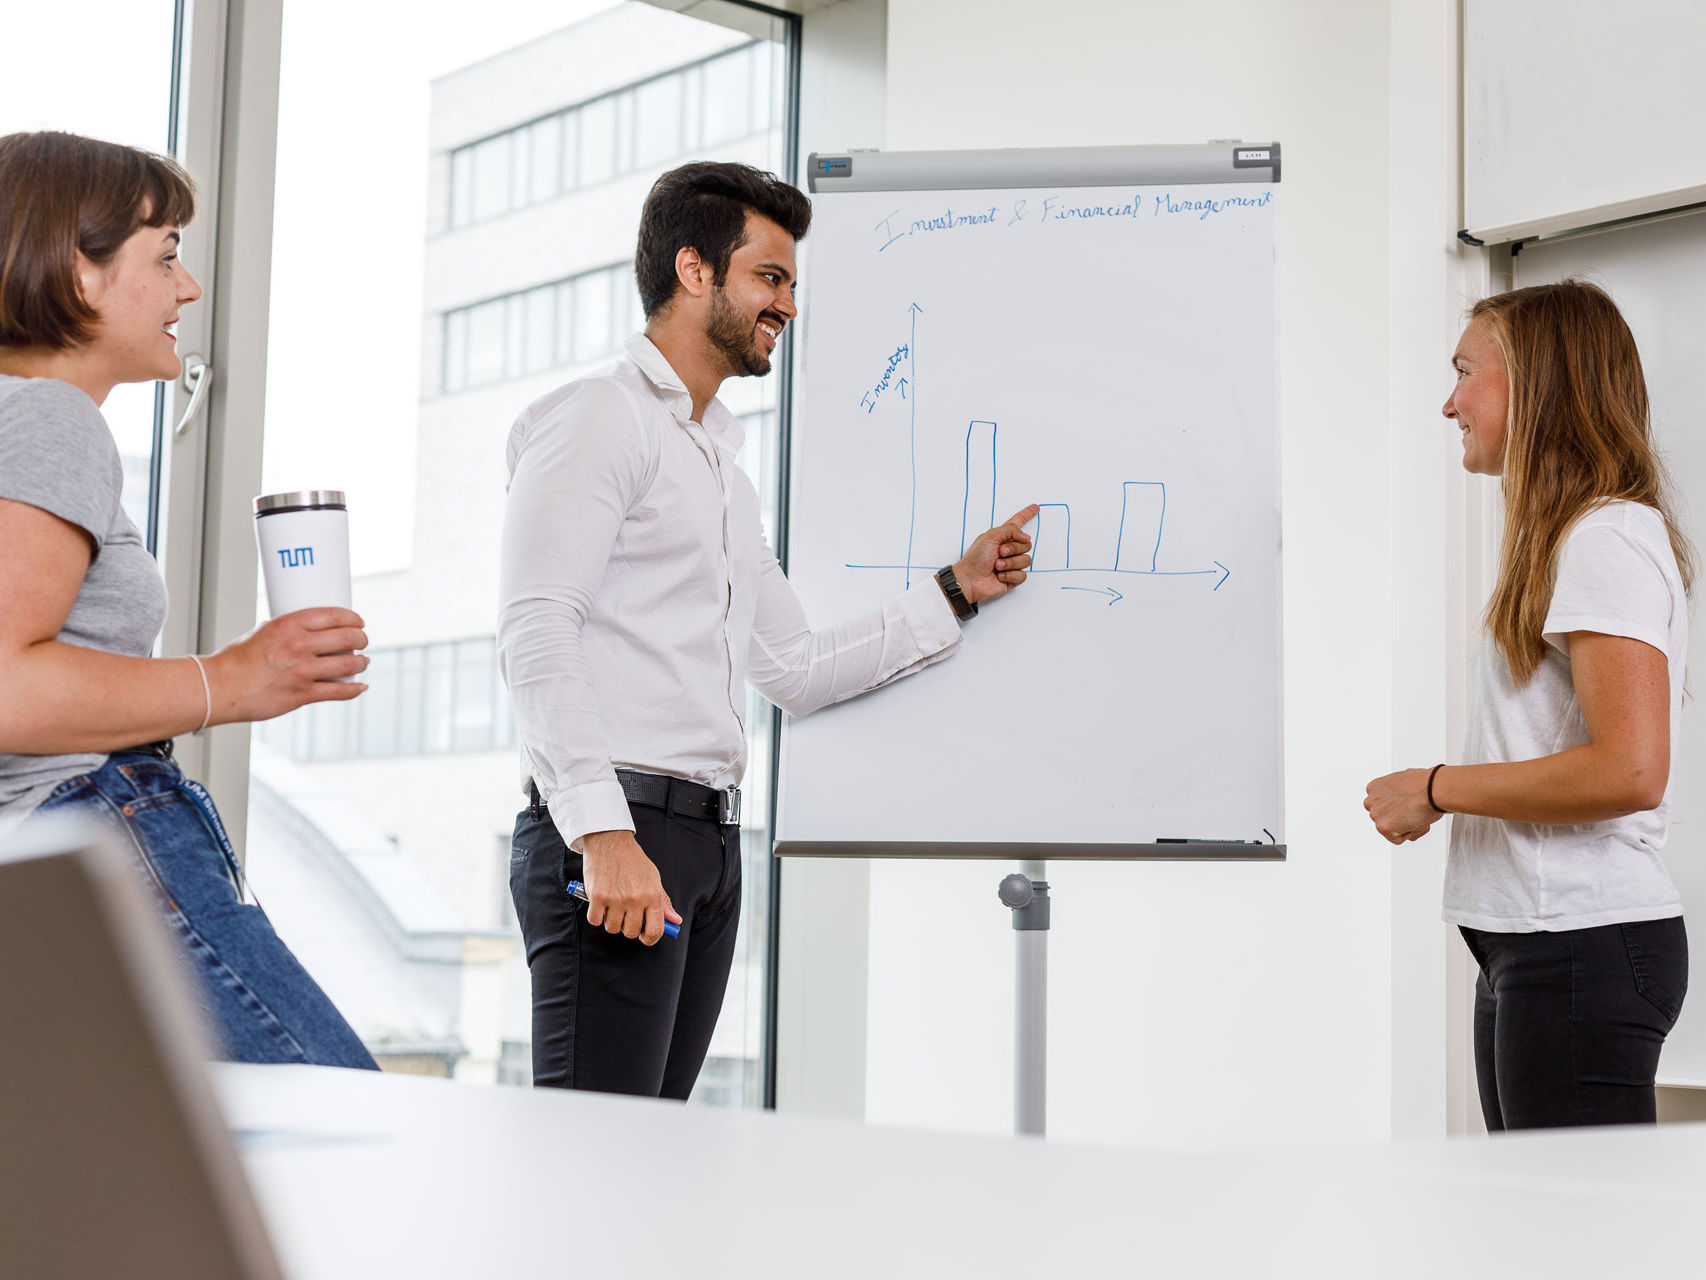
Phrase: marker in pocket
[578,890]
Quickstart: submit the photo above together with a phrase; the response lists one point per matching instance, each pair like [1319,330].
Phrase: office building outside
[379,830]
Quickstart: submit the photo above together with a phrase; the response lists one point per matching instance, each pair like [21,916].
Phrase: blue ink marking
[973,446]
[1018,212]
[868,401]
[1037,542]
[1160,524]
[965,508]
[951,221]
[888,231]
[1107,591]
[912,431]
[1203,208]
[947,220]
[1133,573]
[1056,209]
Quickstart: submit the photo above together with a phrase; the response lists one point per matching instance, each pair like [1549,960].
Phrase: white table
[367,1175]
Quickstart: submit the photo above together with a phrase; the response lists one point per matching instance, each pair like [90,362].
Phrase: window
[564,347]
[462,187]
[570,171]
[728,97]
[397,806]
[658,121]
[455,350]
[539,328]
[592,315]
[485,343]
[121,92]
[565,322]
[598,142]
[545,149]
[515,335]
[491,178]
[707,103]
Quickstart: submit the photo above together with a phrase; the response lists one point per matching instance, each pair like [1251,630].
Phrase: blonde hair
[1577,436]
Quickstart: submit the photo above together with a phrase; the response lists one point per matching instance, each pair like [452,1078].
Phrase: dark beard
[733,336]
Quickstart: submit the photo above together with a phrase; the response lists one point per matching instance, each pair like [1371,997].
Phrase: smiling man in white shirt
[637,599]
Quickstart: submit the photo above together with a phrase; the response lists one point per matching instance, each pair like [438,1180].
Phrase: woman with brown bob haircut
[90,289]
[1563,798]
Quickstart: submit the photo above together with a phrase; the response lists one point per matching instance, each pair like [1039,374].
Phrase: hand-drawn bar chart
[1137,547]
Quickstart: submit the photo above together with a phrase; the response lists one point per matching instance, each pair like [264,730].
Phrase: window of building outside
[453,238]
[121,92]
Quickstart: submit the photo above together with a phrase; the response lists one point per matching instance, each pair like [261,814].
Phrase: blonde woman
[1561,803]
[90,288]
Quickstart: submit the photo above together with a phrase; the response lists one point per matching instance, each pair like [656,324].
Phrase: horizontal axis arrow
[1115,596]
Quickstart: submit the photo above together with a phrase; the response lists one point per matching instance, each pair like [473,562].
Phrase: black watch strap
[950,585]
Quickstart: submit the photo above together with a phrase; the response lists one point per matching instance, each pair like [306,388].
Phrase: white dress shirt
[637,596]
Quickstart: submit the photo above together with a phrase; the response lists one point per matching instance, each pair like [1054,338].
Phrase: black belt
[672,795]
[162,748]
[677,795]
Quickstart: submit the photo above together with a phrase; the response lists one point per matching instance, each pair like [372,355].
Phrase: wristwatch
[950,585]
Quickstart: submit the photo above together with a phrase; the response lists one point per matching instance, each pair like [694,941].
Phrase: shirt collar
[722,425]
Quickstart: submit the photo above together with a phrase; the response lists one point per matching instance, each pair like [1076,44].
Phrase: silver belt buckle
[728,807]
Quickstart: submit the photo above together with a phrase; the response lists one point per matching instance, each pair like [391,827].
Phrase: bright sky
[344,345]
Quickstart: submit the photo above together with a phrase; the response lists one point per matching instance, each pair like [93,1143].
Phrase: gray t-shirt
[57,454]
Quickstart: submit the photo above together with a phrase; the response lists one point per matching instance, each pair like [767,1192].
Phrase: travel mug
[304,541]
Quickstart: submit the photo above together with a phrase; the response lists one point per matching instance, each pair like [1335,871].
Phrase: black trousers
[1568,1025]
[609,1013]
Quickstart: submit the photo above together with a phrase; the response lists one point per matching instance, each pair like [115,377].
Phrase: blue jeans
[263,1003]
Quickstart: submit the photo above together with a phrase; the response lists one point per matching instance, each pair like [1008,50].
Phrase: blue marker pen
[578,890]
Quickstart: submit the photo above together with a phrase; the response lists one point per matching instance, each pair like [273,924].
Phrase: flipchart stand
[1026,894]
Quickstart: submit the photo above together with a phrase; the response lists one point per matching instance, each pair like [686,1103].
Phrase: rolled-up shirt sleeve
[801,669]
[577,465]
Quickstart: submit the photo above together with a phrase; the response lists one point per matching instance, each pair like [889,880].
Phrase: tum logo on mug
[295,557]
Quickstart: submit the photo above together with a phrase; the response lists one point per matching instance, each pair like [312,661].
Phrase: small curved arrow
[903,388]
[1115,596]
[1225,573]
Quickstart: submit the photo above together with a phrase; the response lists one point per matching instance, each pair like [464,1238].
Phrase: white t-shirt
[1616,576]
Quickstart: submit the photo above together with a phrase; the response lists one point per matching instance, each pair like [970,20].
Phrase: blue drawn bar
[1139,525]
[912,436]
[1045,557]
[980,479]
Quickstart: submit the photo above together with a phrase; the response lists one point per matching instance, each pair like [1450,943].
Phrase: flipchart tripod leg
[1026,894]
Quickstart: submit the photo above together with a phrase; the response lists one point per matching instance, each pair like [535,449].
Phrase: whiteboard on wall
[1578,112]
[1082,330]
[1657,274]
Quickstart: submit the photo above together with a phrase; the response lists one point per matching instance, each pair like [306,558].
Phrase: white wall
[1215,1002]
[1441,520]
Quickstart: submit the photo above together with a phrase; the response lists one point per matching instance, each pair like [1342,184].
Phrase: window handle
[198,377]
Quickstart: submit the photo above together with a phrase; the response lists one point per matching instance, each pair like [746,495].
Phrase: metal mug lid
[302,499]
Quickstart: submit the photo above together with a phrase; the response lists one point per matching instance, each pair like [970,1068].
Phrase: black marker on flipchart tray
[1194,840]
[1186,840]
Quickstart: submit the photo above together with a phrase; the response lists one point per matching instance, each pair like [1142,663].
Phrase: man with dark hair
[637,599]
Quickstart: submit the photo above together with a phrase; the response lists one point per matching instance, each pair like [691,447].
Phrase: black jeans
[609,1013]
[1568,1025]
